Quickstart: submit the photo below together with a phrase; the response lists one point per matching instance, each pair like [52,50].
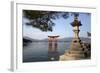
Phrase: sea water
[38,51]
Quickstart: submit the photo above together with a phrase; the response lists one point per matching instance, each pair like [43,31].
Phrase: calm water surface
[38,51]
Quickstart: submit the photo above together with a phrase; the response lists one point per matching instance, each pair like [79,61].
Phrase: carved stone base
[76,51]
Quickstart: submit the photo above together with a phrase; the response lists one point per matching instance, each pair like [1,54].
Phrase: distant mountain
[30,39]
[26,41]
[67,39]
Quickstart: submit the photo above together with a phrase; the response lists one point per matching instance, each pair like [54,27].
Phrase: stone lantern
[76,50]
[76,42]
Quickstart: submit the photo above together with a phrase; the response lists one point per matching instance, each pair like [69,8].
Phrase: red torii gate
[52,43]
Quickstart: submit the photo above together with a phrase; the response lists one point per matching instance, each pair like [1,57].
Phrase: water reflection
[53,56]
[53,53]
[40,51]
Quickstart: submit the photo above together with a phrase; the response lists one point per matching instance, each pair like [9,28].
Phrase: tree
[43,19]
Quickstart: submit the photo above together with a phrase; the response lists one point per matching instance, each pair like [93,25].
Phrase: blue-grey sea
[38,51]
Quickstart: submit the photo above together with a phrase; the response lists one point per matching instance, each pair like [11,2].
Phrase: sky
[62,28]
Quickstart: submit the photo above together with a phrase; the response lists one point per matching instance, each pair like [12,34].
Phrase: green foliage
[43,19]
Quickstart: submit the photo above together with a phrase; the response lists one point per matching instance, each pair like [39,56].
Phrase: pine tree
[43,20]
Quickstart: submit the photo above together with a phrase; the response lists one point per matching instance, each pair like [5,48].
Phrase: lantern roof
[76,22]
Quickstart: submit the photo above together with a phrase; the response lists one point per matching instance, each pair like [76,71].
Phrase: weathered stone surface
[64,58]
[77,53]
